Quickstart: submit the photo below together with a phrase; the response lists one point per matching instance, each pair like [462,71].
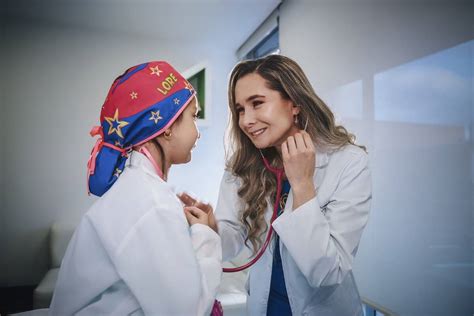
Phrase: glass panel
[417,258]
[269,45]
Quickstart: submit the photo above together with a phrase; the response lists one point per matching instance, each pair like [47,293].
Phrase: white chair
[59,236]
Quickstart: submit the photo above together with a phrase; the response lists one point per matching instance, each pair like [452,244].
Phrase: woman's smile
[257,132]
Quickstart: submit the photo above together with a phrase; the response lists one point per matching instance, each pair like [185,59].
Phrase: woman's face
[264,116]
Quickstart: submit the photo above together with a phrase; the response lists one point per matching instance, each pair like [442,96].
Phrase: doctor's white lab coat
[134,253]
[318,240]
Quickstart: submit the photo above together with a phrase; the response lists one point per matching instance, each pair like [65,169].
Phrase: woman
[285,143]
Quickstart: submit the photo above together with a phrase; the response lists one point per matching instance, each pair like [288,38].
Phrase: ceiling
[228,21]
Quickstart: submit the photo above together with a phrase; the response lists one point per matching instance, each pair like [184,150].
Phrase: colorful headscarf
[141,104]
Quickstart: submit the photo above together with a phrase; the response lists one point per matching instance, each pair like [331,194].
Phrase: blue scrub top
[278,304]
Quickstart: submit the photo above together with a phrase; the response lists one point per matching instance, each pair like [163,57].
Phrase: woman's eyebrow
[251,98]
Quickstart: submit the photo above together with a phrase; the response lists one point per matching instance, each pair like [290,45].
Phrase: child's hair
[244,160]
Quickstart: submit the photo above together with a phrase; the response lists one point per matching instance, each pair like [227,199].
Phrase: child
[133,252]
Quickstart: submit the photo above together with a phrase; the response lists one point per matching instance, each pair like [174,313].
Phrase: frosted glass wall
[416,254]
[400,77]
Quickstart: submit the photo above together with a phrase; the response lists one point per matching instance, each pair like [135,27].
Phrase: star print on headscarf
[134,95]
[155,71]
[115,124]
[117,172]
[176,101]
[155,116]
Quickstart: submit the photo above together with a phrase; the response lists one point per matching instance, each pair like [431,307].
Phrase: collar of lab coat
[322,159]
[139,160]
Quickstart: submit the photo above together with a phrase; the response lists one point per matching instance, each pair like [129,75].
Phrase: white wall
[55,81]
[399,75]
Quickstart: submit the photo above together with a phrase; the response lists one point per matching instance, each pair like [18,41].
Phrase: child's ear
[167,134]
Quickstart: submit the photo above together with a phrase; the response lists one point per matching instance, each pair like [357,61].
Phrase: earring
[296,119]
[168,133]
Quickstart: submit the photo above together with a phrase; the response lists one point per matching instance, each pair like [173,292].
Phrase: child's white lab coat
[134,253]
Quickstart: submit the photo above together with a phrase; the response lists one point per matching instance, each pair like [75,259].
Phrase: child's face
[185,134]
[264,116]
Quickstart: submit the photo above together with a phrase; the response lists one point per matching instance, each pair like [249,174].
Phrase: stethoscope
[279,175]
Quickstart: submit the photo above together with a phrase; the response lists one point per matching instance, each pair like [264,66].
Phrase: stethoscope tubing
[279,174]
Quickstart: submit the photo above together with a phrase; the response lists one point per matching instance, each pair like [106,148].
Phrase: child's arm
[207,246]
[168,272]
[205,243]
[231,231]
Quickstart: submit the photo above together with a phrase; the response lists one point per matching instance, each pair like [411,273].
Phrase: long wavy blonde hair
[258,185]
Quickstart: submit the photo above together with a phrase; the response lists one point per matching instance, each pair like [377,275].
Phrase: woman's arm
[323,242]
[230,229]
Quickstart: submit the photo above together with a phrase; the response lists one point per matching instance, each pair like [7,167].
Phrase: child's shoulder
[128,201]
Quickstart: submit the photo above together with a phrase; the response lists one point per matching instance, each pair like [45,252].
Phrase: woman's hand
[189,201]
[299,158]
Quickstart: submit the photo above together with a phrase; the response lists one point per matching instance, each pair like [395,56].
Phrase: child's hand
[195,215]
[190,201]
[207,208]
